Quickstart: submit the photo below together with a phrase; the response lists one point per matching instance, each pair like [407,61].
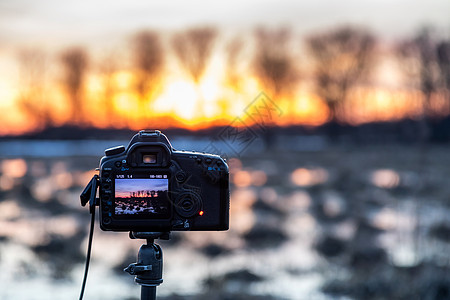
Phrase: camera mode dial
[114,150]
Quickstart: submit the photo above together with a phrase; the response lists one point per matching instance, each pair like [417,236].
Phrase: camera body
[149,186]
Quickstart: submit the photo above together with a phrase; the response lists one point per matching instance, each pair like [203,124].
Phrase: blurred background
[333,117]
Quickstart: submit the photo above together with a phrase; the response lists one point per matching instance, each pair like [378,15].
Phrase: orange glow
[14,168]
[212,102]
[234,164]
[241,214]
[309,177]
[259,178]
[6,183]
[370,104]
[246,178]
[201,213]
[385,178]
[242,179]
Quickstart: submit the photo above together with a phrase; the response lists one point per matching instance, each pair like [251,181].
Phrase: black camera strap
[88,255]
[89,195]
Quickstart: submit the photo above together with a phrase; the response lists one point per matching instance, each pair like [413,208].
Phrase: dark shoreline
[405,131]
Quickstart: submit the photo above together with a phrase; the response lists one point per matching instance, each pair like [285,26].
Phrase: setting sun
[179,97]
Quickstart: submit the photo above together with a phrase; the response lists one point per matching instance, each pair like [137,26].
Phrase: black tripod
[149,265]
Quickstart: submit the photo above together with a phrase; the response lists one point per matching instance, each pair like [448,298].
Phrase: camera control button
[118,163]
[208,160]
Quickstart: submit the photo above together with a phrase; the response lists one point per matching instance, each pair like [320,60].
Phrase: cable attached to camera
[88,255]
[89,195]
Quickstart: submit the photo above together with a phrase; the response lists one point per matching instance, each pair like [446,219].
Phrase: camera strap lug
[89,194]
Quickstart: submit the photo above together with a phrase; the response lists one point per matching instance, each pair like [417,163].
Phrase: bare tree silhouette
[107,70]
[274,66]
[233,54]
[443,57]
[75,63]
[148,58]
[274,63]
[418,60]
[33,94]
[425,60]
[342,59]
[193,48]
[234,73]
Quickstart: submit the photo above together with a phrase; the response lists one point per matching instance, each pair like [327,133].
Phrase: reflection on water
[385,178]
[14,168]
[306,225]
[308,177]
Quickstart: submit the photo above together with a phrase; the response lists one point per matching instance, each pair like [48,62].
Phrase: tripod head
[148,268]
[149,235]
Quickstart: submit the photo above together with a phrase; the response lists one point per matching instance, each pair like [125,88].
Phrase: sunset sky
[103,26]
[101,22]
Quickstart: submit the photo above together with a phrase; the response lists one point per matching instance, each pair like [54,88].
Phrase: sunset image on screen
[141,196]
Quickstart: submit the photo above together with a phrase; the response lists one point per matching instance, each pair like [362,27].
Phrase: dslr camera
[149,186]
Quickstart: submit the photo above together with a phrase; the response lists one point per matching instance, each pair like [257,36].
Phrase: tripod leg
[148,292]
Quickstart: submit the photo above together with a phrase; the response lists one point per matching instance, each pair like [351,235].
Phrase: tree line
[334,62]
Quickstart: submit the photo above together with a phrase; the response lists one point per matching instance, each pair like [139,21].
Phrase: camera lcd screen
[142,197]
